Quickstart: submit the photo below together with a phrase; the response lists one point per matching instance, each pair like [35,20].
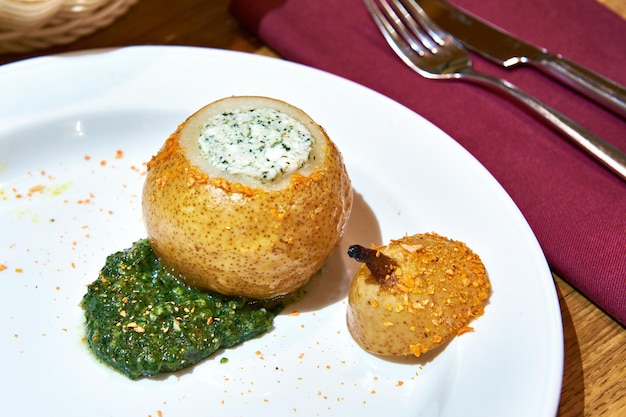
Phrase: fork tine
[402,31]
[408,11]
[419,16]
[407,38]
[404,21]
[392,29]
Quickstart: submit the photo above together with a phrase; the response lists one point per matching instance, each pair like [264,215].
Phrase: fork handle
[607,154]
[606,92]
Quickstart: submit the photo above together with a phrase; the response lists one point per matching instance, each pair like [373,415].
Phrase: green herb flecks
[143,321]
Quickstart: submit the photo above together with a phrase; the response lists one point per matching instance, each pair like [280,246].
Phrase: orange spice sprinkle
[230,187]
[464,330]
[316,176]
[3,267]
[119,154]
[169,148]
[196,176]
[86,157]
[36,189]
[417,350]
[103,163]
[297,177]
[19,270]
[411,248]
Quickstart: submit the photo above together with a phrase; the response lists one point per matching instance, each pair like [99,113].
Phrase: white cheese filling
[262,143]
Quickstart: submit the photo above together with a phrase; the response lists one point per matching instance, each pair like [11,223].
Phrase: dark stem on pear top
[381,266]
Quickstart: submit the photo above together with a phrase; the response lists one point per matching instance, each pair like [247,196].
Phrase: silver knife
[508,51]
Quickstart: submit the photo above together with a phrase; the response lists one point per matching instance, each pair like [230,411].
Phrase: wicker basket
[47,23]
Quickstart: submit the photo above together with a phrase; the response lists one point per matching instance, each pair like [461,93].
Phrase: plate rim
[36,61]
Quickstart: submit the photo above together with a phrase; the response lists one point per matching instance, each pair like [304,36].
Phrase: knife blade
[509,51]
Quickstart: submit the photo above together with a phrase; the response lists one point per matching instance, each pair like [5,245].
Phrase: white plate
[63,120]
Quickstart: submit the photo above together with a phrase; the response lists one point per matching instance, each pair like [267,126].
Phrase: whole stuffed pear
[248,197]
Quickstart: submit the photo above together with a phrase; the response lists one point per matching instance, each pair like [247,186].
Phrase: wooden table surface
[594,380]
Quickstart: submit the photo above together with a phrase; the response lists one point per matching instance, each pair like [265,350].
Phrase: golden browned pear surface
[429,290]
[232,222]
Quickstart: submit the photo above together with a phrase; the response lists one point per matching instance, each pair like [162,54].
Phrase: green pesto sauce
[143,321]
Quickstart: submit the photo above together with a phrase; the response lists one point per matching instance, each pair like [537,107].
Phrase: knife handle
[606,92]
[607,154]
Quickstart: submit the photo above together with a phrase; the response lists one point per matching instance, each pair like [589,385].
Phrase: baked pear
[415,294]
[248,197]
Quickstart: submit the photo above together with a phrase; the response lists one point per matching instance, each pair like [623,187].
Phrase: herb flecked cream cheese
[262,143]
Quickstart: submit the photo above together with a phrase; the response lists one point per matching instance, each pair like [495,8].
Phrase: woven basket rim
[64,28]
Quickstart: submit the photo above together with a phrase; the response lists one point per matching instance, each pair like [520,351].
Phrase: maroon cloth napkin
[576,208]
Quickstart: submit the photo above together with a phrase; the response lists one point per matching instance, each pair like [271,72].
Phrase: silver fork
[435,54]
